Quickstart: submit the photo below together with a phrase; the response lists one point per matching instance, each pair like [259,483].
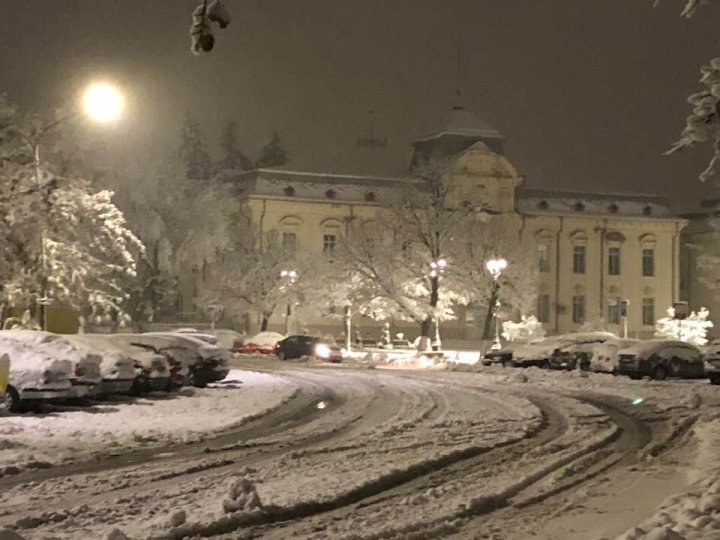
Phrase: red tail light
[79,371]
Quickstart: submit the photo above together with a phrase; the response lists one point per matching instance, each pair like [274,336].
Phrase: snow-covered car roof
[28,364]
[650,346]
[203,348]
[55,345]
[265,339]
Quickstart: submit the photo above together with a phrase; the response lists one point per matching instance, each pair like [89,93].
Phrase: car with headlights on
[308,346]
[660,359]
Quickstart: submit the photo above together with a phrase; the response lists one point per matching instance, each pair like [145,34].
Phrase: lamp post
[436,268]
[102,103]
[288,277]
[496,266]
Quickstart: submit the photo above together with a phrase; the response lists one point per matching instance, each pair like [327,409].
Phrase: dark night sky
[588,93]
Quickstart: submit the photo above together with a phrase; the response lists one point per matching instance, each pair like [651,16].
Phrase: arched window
[370,196]
[330,193]
[289,229]
[289,191]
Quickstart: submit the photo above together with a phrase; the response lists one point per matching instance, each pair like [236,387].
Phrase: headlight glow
[322,350]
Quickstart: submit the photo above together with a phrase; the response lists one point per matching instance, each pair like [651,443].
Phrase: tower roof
[465,123]
[462,131]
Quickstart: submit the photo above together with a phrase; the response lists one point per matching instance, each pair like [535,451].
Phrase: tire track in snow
[193,461]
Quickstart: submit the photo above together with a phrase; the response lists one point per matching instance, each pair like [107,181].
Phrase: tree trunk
[264,322]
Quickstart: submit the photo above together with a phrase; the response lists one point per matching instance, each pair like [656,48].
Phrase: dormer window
[579,206]
[613,208]
[543,205]
[289,191]
[330,193]
[370,196]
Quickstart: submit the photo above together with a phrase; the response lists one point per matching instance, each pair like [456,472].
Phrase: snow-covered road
[346,453]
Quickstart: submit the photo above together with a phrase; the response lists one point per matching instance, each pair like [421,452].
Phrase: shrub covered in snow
[693,329]
[528,328]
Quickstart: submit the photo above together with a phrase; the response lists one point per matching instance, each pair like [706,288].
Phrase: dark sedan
[300,346]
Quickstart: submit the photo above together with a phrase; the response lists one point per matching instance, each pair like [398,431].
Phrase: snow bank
[78,433]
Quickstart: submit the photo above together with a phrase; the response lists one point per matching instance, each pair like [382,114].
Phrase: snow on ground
[377,429]
[64,434]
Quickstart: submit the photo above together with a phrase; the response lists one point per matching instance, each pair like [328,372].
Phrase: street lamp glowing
[496,267]
[103,102]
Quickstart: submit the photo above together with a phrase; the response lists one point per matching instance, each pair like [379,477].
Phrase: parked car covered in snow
[151,371]
[310,346]
[537,352]
[711,357]
[33,376]
[575,349]
[261,343]
[604,356]
[85,376]
[209,361]
[500,356]
[116,367]
[226,338]
[661,358]
[179,359]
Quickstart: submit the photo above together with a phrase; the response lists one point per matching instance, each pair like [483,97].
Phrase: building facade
[591,250]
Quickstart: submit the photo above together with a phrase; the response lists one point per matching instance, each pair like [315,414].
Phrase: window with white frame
[578,309]
[648,262]
[289,241]
[543,257]
[579,259]
[329,241]
[648,311]
[543,308]
[614,261]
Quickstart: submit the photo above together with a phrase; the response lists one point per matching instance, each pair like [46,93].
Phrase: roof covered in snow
[465,123]
[317,186]
[547,202]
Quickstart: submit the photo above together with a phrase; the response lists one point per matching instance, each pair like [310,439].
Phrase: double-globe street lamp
[496,266]
[101,102]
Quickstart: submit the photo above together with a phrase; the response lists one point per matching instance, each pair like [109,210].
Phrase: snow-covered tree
[399,264]
[693,329]
[255,272]
[59,238]
[192,152]
[272,154]
[207,13]
[232,157]
[527,329]
[479,238]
